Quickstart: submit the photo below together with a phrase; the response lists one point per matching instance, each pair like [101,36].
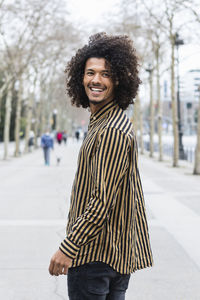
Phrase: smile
[96,89]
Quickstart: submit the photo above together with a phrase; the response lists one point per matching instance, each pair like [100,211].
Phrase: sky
[189,57]
[91,12]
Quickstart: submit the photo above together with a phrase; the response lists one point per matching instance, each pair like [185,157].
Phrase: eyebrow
[93,70]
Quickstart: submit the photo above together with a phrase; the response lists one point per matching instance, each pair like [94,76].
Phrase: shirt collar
[102,112]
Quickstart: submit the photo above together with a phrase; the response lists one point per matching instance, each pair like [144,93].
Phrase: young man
[47,144]
[107,234]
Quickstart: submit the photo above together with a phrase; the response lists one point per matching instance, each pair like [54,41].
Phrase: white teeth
[96,90]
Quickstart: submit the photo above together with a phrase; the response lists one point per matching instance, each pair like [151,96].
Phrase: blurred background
[37,39]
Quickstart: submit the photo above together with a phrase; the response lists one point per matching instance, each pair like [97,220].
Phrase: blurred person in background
[59,137]
[65,137]
[77,135]
[107,233]
[47,144]
[31,140]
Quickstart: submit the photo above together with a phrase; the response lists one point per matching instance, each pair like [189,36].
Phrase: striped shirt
[107,219]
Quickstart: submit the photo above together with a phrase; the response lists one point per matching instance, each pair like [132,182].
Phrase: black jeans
[96,281]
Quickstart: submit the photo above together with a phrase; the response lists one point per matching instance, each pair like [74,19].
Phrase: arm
[142,234]
[108,165]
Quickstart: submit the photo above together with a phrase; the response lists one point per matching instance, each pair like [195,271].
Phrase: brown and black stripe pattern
[107,219]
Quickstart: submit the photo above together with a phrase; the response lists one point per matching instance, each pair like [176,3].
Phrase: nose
[96,78]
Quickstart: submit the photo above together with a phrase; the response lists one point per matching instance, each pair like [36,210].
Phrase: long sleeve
[109,164]
[143,247]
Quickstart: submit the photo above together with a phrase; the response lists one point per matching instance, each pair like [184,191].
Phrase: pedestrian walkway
[172,200]
[33,213]
[11,149]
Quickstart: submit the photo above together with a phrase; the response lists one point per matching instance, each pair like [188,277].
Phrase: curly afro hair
[119,52]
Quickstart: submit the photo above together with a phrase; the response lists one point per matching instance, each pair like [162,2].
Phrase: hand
[59,264]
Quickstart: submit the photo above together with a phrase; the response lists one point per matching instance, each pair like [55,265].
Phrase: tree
[17,118]
[169,18]
[40,42]
[197,150]
[7,119]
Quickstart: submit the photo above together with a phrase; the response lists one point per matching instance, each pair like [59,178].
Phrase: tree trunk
[197,150]
[58,126]
[2,90]
[7,121]
[141,142]
[151,115]
[17,119]
[174,108]
[136,114]
[28,122]
[159,109]
[36,125]
[42,116]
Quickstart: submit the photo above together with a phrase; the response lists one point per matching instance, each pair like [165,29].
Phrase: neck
[96,106]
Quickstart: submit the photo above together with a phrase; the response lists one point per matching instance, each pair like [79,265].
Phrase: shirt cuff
[69,248]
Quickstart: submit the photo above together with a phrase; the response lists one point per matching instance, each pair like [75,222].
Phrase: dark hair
[119,52]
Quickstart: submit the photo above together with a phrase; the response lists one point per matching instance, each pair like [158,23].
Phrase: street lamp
[197,150]
[54,125]
[151,145]
[178,42]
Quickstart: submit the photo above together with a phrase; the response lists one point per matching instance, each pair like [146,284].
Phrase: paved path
[34,201]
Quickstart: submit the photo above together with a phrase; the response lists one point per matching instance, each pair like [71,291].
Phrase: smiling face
[98,83]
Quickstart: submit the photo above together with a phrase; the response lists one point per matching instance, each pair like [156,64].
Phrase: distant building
[189,86]
[189,96]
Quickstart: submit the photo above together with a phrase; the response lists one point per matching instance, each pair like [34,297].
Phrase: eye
[89,73]
[106,75]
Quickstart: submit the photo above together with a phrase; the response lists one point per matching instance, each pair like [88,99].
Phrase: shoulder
[119,123]
[113,136]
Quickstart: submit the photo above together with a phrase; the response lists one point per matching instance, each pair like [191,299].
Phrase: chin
[95,102]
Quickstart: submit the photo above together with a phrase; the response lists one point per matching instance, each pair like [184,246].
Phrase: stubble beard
[96,102]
